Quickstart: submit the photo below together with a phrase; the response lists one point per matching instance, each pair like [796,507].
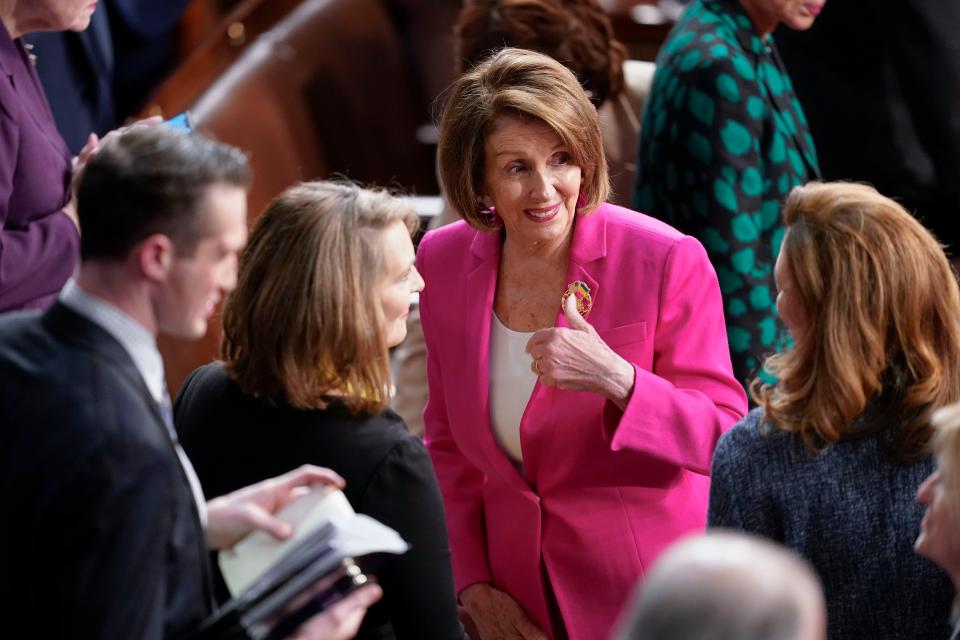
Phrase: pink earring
[490,217]
[582,199]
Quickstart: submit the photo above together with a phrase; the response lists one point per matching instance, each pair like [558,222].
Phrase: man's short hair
[726,586]
[151,179]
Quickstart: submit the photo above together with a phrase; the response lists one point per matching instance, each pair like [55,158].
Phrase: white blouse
[511,383]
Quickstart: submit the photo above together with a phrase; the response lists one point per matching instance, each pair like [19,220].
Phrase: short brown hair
[883,312]
[577,33]
[304,320]
[152,180]
[522,83]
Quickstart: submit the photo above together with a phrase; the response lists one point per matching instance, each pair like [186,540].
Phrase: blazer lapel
[73,327]
[480,289]
[78,329]
[589,244]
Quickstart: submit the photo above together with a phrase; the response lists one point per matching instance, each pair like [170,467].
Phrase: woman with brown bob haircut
[829,462]
[577,366]
[323,291]
[579,34]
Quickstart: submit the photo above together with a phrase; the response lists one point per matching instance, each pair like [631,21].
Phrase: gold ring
[536,365]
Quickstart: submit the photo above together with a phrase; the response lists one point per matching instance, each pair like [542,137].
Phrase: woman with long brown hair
[323,291]
[829,462]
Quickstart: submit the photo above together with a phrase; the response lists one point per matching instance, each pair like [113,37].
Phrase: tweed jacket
[851,511]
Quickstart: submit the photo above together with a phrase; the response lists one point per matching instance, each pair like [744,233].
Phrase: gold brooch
[581,292]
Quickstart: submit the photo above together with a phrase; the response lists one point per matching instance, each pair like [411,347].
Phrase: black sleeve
[182,402]
[418,585]
[106,575]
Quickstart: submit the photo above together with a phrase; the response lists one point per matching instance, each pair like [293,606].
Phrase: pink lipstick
[543,214]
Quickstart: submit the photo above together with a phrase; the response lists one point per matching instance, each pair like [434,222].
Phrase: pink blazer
[602,491]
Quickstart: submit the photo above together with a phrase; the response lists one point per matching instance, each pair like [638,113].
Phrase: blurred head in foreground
[726,586]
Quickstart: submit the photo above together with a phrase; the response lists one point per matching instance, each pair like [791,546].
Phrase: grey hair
[723,586]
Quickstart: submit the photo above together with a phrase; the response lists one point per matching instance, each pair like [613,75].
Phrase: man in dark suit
[97,78]
[107,531]
[76,69]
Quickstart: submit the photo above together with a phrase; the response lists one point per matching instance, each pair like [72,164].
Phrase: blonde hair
[520,83]
[882,310]
[305,319]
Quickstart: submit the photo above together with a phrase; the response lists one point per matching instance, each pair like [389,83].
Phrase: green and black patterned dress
[723,141]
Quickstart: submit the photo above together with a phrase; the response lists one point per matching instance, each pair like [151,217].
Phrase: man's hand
[71,210]
[94,143]
[233,516]
[89,148]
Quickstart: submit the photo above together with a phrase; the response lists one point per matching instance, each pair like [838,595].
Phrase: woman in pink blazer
[578,368]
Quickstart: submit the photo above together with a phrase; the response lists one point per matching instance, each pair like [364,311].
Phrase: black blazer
[101,537]
[234,440]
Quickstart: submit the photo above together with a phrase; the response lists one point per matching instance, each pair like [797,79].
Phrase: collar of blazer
[589,245]
[8,50]
[76,329]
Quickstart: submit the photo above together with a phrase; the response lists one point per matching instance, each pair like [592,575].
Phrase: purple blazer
[39,244]
[603,491]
